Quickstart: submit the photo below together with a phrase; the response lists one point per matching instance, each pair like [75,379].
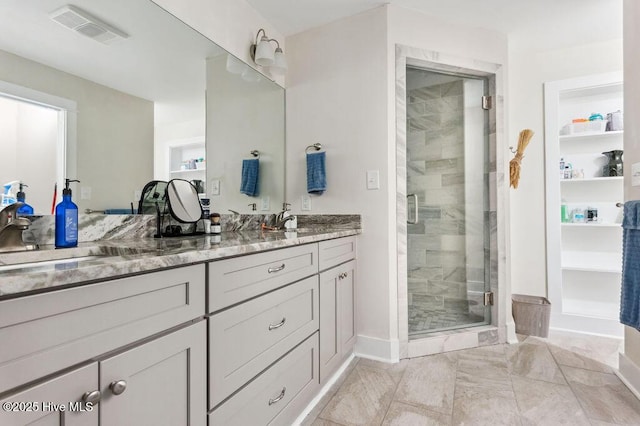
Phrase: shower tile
[424,122]
[417,257]
[451,89]
[430,383]
[453,242]
[454,274]
[456,212]
[400,414]
[439,227]
[416,229]
[415,109]
[416,168]
[424,93]
[603,396]
[452,178]
[454,151]
[534,361]
[428,213]
[424,273]
[442,166]
[424,242]
[416,137]
[445,196]
[543,403]
[451,119]
[448,289]
[452,259]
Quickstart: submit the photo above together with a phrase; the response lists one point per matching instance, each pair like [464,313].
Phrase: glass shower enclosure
[447,201]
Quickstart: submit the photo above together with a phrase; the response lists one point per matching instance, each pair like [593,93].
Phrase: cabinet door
[162,382]
[56,402]
[329,320]
[347,298]
[337,317]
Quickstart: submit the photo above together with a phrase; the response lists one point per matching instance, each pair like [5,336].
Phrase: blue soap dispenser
[67,219]
[25,209]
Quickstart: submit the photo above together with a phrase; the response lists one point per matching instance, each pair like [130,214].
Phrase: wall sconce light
[263,54]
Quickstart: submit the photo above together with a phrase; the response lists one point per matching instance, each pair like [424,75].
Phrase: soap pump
[25,209]
[67,219]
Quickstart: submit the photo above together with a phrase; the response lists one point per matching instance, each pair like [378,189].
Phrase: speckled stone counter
[108,259]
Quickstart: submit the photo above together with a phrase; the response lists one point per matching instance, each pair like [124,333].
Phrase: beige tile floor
[565,379]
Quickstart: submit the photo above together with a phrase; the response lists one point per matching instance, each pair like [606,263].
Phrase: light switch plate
[215,187]
[306,203]
[635,174]
[85,192]
[264,203]
[373,179]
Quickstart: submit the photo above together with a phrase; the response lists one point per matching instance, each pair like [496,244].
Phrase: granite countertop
[108,259]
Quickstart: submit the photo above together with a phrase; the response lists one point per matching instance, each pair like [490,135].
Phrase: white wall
[341,93]
[631,149]
[232,24]
[528,70]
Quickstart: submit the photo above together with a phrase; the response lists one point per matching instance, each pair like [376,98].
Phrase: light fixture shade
[250,75]
[235,65]
[280,63]
[264,53]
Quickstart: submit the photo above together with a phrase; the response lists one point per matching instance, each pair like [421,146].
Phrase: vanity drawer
[241,278]
[336,251]
[278,395]
[47,332]
[247,338]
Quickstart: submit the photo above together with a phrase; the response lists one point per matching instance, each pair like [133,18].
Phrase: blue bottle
[67,219]
[25,209]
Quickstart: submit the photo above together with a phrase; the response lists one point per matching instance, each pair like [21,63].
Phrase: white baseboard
[629,373]
[378,349]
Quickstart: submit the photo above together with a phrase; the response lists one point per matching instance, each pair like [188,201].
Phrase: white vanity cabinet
[337,303]
[121,328]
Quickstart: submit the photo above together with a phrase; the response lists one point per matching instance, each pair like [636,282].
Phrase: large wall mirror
[150,98]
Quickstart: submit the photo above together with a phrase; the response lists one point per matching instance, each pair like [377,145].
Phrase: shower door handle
[415,209]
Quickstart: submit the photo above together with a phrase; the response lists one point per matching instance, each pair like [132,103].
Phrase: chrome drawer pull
[277,269]
[274,326]
[118,387]
[273,401]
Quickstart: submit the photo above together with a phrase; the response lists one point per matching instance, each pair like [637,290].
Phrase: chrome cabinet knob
[118,387]
[92,397]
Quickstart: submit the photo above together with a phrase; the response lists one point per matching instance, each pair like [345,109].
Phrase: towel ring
[255,153]
[316,146]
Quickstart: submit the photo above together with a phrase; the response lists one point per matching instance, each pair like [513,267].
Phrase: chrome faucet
[11,228]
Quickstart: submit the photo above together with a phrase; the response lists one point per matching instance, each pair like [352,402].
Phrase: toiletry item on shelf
[564,211]
[577,216]
[7,196]
[579,120]
[25,209]
[216,226]
[562,168]
[614,121]
[595,116]
[207,226]
[592,214]
[614,165]
[568,173]
[67,219]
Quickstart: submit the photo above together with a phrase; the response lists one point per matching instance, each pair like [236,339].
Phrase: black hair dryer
[614,165]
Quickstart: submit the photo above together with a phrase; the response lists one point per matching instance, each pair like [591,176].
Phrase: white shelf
[592,261]
[592,225]
[588,135]
[188,171]
[596,179]
[590,308]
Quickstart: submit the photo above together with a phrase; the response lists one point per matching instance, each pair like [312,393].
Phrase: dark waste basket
[531,314]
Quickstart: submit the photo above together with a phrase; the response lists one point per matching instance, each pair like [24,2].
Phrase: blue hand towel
[250,170]
[630,294]
[316,173]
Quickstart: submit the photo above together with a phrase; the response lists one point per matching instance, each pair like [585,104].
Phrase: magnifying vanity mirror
[184,204]
[119,109]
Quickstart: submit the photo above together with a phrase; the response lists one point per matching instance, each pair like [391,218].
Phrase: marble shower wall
[435,172]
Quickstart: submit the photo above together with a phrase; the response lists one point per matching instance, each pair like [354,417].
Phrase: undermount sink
[68,263]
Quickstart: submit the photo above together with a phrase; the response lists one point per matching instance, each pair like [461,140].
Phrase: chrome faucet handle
[10,212]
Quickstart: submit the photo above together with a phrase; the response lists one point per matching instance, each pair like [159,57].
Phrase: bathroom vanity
[240,332]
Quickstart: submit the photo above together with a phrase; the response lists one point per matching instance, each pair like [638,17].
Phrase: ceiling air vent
[80,21]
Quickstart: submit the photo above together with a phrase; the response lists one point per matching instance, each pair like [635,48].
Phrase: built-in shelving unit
[180,154]
[584,259]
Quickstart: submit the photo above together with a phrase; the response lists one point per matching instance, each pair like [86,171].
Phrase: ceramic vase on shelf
[614,165]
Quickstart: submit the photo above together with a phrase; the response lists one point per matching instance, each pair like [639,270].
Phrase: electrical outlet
[85,192]
[215,187]
[264,203]
[306,203]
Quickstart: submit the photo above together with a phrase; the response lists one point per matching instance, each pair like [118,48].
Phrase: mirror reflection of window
[32,137]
